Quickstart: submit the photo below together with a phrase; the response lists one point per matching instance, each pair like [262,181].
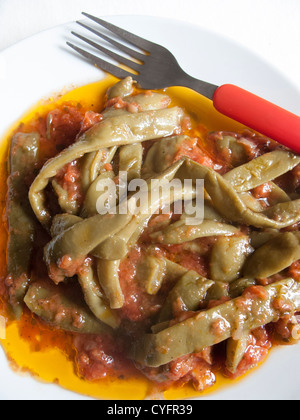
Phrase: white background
[271,28]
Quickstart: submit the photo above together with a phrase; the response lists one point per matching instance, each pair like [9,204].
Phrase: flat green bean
[228,257]
[238,286]
[121,89]
[152,270]
[94,298]
[274,256]
[236,350]
[89,207]
[79,240]
[108,275]
[179,232]
[66,205]
[210,327]
[63,307]
[131,159]
[21,221]
[162,154]
[62,222]
[190,291]
[263,169]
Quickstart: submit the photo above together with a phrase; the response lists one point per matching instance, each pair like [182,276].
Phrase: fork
[155,67]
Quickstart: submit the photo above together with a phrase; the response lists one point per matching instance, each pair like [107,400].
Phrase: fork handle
[259,114]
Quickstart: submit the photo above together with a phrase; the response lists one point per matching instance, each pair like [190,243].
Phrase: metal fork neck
[204,88]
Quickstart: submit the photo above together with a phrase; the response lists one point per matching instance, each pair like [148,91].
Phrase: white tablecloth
[268,27]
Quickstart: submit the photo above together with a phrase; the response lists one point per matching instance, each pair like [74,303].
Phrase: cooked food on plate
[98,252]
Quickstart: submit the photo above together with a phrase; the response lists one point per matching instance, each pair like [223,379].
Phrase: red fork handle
[259,114]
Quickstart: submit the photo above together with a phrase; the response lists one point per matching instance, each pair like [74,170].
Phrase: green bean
[63,307]
[85,169]
[131,157]
[236,148]
[173,270]
[159,327]
[66,205]
[211,214]
[263,169]
[148,102]
[87,278]
[21,222]
[162,154]
[237,287]
[121,89]
[89,207]
[62,222]
[137,103]
[79,240]
[207,328]
[113,112]
[108,275]
[229,204]
[274,256]
[224,198]
[101,158]
[285,214]
[218,290]
[168,270]
[144,101]
[277,195]
[179,232]
[94,298]
[258,239]
[190,291]
[152,270]
[236,350]
[251,202]
[91,165]
[115,131]
[228,257]
[92,162]
[119,245]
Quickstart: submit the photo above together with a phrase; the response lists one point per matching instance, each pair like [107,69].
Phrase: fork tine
[135,54]
[102,64]
[122,33]
[129,63]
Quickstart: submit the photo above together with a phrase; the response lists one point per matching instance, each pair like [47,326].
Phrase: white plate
[41,65]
